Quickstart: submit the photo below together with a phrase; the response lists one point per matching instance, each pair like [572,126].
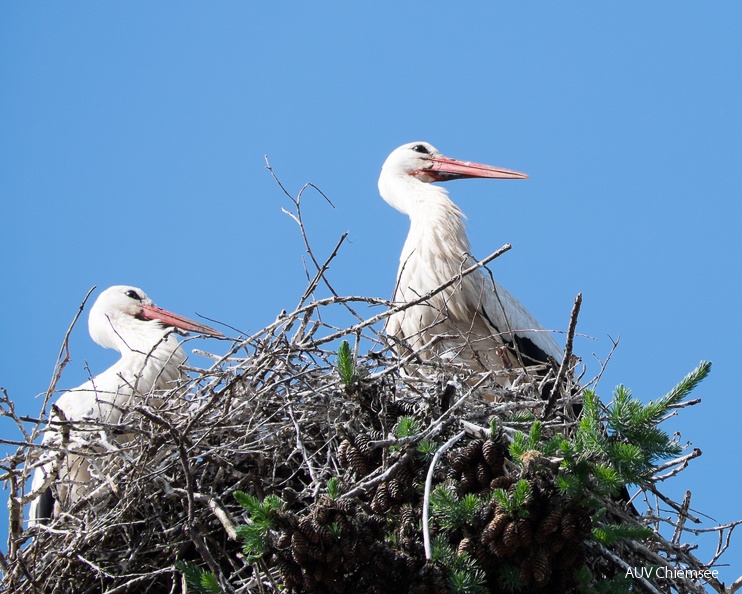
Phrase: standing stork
[475,322]
[125,319]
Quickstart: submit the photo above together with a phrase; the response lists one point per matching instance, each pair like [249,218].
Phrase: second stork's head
[124,318]
[409,168]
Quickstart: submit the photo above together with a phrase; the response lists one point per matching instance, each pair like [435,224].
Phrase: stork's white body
[475,322]
[122,318]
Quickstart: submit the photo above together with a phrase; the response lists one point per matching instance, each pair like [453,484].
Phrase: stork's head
[124,314]
[421,162]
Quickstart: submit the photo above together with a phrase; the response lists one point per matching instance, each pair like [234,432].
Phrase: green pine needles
[625,444]
[609,534]
[451,511]
[513,503]
[199,580]
[345,364]
[464,575]
[255,533]
[407,426]
[613,446]
[333,487]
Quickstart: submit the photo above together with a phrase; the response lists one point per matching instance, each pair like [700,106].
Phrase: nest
[274,417]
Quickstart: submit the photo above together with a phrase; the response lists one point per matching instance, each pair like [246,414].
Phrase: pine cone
[309,582]
[495,527]
[381,501]
[541,568]
[556,543]
[525,531]
[569,527]
[510,537]
[483,555]
[284,541]
[321,514]
[457,461]
[343,452]
[484,474]
[406,474]
[499,549]
[526,571]
[408,516]
[357,461]
[306,525]
[569,557]
[290,572]
[491,454]
[548,525]
[473,451]
[584,521]
[350,553]
[468,481]
[502,482]
[325,534]
[345,505]
[361,441]
[466,546]
[299,547]
[396,490]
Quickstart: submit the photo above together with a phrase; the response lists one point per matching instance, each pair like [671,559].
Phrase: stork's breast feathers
[474,314]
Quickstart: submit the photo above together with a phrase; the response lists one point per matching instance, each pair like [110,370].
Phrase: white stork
[475,322]
[125,319]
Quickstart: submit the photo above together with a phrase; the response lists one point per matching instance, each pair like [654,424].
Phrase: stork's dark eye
[421,148]
[133,295]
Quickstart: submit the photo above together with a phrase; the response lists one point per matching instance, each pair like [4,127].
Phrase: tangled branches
[295,463]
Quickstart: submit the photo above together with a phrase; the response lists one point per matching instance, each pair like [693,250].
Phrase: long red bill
[152,312]
[445,168]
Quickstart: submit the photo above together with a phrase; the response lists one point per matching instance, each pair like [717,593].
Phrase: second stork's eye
[133,294]
[421,148]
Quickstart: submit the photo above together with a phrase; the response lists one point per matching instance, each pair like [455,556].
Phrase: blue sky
[132,143]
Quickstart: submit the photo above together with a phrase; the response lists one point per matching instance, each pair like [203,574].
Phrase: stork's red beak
[445,168]
[152,312]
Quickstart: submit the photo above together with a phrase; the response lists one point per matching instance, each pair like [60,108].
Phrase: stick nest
[274,417]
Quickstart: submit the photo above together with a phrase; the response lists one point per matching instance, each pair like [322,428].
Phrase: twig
[682,517]
[62,359]
[407,304]
[303,450]
[426,497]
[566,359]
[734,586]
[677,465]
[221,514]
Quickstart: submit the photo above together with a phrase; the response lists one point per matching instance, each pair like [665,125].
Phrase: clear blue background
[132,138]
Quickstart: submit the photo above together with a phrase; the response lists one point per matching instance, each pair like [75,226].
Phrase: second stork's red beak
[152,312]
[445,168]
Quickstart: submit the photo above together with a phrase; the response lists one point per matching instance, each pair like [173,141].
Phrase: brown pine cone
[484,474]
[381,501]
[491,454]
[548,525]
[541,568]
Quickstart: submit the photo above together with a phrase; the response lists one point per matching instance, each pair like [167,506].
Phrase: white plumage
[475,322]
[125,319]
